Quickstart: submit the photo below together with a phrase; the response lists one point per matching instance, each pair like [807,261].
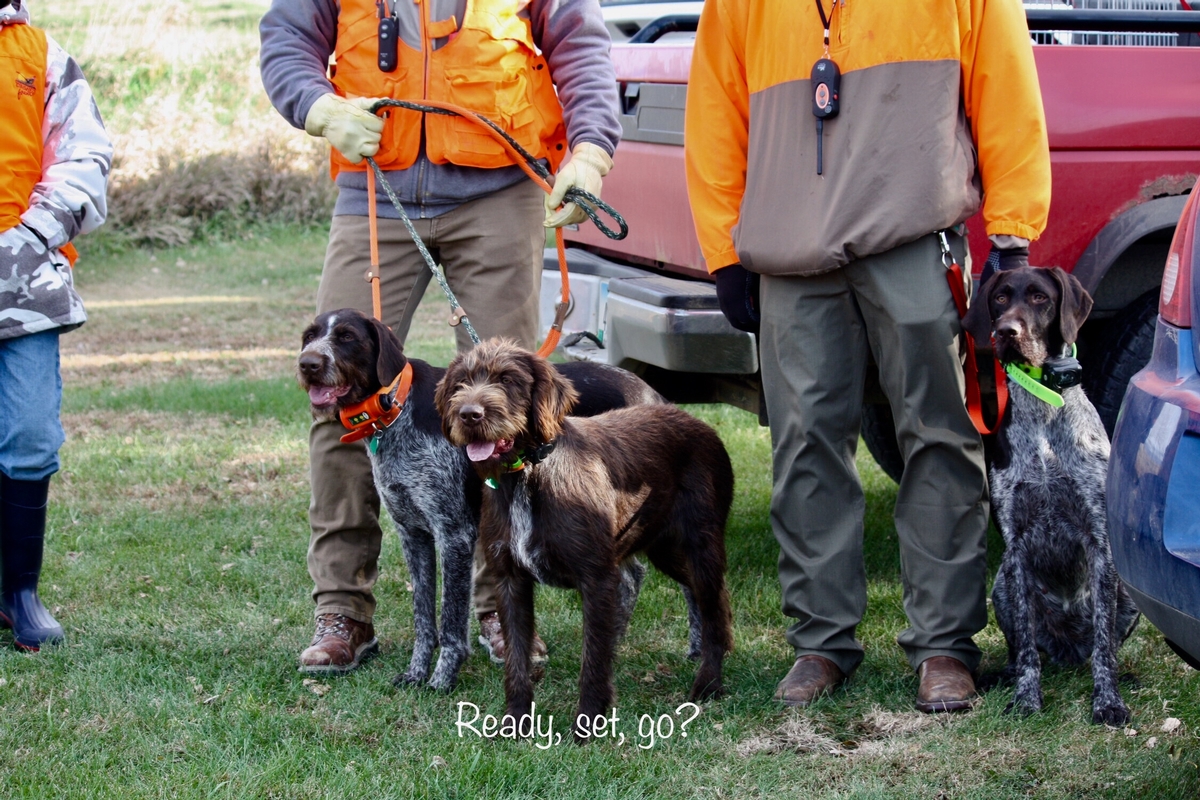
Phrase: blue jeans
[30,405]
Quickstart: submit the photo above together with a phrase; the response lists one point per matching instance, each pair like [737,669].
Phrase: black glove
[999,260]
[737,292]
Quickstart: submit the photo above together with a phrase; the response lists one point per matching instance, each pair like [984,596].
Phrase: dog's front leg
[600,594]
[1107,706]
[458,553]
[420,554]
[1024,662]
[514,593]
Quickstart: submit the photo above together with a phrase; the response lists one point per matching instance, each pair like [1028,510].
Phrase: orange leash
[373,272]
[954,276]
[521,159]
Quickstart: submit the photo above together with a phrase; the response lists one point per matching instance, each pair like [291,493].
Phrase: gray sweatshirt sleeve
[298,36]
[572,36]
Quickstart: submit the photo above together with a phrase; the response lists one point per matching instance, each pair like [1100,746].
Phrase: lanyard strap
[825,21]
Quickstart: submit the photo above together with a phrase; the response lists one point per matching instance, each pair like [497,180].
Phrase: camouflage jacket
[37,292]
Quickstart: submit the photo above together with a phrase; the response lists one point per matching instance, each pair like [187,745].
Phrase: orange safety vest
[490,65]
[23,51]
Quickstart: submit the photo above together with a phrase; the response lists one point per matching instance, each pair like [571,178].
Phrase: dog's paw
[1110,711]
[443,684]
[409,678]
[1025,702]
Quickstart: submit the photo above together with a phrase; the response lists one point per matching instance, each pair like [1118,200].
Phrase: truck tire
[879,432]
[1124,349]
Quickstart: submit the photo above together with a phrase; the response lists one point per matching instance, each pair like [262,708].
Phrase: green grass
[176,562]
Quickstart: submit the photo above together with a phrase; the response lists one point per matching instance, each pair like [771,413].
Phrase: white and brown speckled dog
[572,501]
[426,484]
[1057,589]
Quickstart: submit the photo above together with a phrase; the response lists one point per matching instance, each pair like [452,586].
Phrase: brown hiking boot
[946,685]
[809,678]
[491,636]
[339,645]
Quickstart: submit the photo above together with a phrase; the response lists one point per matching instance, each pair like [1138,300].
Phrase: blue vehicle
[1154,472]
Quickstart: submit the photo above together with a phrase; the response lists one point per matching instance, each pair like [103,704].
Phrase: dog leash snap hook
[947,256]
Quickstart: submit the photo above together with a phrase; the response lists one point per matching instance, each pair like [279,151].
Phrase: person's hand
[589,163]
[1003,258]
[737,292]
[349,125]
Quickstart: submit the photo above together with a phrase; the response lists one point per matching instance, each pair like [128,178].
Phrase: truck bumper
[642,318]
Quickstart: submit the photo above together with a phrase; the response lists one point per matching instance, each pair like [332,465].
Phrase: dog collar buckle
[373,415]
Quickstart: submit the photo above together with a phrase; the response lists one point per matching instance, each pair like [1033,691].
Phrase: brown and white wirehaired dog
[574,499]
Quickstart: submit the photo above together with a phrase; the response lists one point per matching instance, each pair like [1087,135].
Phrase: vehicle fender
[1159,214]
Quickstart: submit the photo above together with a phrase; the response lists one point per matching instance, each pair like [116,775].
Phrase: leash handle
[956,279]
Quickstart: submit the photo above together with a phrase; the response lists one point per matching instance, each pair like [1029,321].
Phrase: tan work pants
[491,250]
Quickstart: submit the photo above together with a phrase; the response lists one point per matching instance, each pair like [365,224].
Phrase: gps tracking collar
[1047,381]
[377,412]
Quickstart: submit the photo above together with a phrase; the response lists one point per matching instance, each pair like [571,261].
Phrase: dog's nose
[471,413]
[311,363]
[1008,328]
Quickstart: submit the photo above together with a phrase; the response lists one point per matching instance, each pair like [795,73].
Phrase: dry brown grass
[198,148]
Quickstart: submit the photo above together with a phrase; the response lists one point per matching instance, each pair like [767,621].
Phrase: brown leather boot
[946,685]
[339,645]
[809,678]
[491,636]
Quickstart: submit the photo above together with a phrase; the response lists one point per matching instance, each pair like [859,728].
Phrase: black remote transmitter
[826,83]
[389,40]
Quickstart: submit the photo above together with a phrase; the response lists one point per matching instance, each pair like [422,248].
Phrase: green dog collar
[1023,375]
[1030,379]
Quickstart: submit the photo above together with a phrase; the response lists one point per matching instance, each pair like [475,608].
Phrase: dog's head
[345,357]
[1029,313]
[498,398]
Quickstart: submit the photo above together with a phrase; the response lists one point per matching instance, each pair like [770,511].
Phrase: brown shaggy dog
[574,499]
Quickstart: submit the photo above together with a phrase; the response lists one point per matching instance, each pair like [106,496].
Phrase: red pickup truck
[1124,130]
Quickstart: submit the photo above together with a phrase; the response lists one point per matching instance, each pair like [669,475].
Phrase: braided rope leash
[460,316]
[524,159]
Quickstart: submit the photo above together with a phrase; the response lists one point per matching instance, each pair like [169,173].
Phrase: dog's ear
[1074,304]
[445,390]
[391,355]
[978,321]
[552,398]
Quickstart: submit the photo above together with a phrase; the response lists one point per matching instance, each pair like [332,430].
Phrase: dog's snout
[471,413]
[311,363]
[1008,328]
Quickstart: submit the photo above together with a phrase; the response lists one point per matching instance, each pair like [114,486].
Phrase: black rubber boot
[22,536]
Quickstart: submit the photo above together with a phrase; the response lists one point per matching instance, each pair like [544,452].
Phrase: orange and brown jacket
[940,111]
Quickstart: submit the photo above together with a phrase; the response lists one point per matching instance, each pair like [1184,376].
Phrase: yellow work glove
[589,163]
[349,125]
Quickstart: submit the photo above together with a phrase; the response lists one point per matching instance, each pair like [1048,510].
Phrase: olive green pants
[491,250]
[815,339]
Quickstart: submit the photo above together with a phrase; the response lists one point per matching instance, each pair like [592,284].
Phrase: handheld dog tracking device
[826,83]
[389,38]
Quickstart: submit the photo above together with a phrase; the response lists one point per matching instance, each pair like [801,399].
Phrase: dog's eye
[347,337]
[1001,299]
[506,379]
[308,337]
[1038,297]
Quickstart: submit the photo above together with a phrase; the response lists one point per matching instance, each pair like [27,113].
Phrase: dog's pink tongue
[480,451]
[324,395]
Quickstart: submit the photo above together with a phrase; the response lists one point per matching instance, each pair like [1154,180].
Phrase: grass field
[176,562]
[176,551]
